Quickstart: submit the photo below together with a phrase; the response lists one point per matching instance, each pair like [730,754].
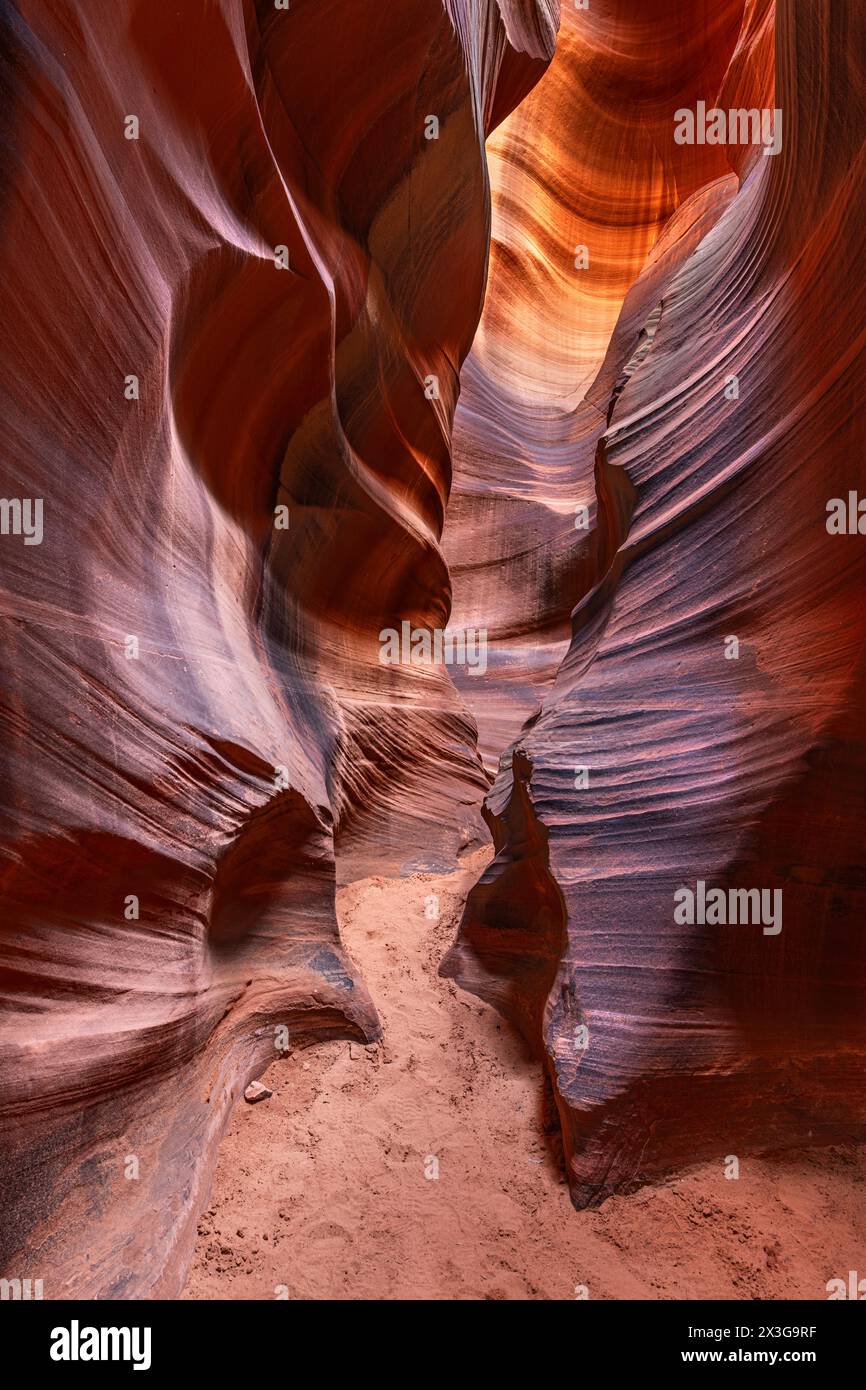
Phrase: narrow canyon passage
[320,1191]
[330,322]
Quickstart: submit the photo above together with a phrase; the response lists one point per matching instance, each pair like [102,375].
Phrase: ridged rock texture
[741,767]
[195,721]
[199,737]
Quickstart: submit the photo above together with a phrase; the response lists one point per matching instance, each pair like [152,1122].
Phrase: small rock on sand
[256,1091]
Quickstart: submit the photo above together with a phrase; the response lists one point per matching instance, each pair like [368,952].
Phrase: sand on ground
[428,1167]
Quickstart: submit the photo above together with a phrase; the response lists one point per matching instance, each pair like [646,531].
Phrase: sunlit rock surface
[585,174]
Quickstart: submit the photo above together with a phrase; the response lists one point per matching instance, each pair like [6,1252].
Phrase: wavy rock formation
[588,163]
[736,764]
[246,254]
[232,259]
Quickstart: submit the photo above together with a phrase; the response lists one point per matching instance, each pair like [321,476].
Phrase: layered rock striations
[246,251]
[585,175]
[704,732]
[232,259]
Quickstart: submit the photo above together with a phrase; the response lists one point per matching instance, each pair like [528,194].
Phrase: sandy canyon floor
[322,1188]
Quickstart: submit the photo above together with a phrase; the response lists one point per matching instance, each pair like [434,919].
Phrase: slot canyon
[336,318]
